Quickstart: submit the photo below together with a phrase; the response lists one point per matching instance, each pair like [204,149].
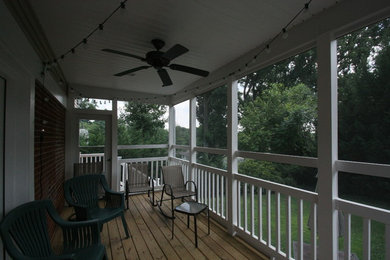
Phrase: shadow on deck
[151,237]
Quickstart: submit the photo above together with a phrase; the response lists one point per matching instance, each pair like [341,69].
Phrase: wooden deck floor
[151,237]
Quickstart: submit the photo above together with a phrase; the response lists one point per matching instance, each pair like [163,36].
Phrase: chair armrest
[170,189]
[115,199]
[196,188]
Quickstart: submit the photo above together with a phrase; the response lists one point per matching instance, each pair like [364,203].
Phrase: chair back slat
[173,176]
[137,174]
[85,189]
[25,232]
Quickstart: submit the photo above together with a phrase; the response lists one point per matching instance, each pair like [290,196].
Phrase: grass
[377,229]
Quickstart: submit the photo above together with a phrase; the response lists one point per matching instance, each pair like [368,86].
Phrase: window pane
[182,111]
[278,107]
[213,160]
[211,112]
[364,110]
[364,94]
[142,123]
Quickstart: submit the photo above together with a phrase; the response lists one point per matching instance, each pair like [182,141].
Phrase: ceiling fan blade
[191,70]
[164,77]
[175,51]
[124,54]
[131,70]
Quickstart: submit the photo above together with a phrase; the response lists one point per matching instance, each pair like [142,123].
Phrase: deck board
[150,237]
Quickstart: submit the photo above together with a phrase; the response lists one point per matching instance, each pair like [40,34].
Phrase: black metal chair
[175,187]
[24,232]
[82,193]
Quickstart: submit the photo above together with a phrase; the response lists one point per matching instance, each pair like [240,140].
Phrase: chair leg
[125,226]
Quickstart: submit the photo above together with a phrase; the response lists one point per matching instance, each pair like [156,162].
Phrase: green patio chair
[82,193]
[24,232]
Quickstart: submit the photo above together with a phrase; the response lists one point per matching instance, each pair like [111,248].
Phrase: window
[140,124]
[364,110]
[182,116]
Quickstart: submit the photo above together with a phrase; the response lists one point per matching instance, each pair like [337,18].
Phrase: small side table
[192,208]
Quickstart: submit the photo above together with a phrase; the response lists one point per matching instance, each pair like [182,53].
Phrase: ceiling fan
[159,60]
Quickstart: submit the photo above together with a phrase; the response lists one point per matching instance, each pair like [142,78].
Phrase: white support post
[115,170]
[232,101]
[327,146]
[172,131]
[192,151]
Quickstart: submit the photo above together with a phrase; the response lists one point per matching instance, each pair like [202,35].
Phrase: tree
[142,124]
[211,114]
[282,120]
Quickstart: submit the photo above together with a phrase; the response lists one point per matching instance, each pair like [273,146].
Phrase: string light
[285,33]
[100,27]
[267,48]
[122,5]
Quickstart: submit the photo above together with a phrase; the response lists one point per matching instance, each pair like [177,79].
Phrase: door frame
[90,115]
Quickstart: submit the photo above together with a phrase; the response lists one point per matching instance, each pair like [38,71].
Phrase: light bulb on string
[268,48]
[284,33]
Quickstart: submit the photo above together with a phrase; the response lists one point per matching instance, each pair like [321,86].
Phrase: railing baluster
[223,188]
[300,229]
[347,236]
[252,210]
[277,197]
[218,183]
[239,204]
[387,242]
[245,207]
[367,239]
[213,194]
[269,218]
[288,227]
[260,209]
[209,190]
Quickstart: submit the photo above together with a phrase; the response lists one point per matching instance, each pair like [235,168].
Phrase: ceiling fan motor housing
[156,59]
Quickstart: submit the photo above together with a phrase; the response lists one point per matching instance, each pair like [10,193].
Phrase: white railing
[265,212]
[91,157]
[259,216]
[368,214]
[212,188]
[154,168]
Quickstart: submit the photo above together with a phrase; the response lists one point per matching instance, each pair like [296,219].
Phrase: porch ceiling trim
[29,23]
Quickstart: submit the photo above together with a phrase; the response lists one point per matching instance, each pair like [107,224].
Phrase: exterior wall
[20,67]
[49,148]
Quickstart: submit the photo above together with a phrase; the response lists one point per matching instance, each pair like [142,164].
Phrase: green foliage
[182,135]
[281,120]
[142,124]
[211,113]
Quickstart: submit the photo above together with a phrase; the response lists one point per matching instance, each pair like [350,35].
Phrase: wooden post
[232,101]
[327,146]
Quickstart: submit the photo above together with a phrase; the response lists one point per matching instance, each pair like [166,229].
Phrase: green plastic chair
[24,232]
[83,192]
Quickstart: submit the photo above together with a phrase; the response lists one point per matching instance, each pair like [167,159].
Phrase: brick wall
[49,148]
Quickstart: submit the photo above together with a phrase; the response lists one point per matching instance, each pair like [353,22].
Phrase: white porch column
[232,120]
[327,146]
[115,171]
[192,158]
[172,131]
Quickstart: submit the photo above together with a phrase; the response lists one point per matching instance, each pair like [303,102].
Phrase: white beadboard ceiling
[215,32]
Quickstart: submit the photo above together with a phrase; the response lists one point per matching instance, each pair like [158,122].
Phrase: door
[94,141]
